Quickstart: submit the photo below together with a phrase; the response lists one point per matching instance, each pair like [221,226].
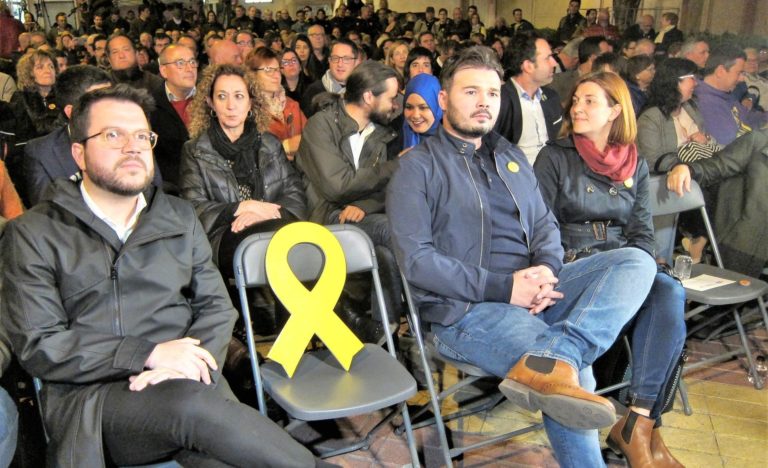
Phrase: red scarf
[618,162]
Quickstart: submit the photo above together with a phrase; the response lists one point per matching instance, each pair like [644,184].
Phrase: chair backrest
[666,205]
[306,260]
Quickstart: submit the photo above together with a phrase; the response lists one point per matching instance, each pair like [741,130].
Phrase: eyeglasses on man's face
[344,60]
[268,70]
[117,138]
[181,63]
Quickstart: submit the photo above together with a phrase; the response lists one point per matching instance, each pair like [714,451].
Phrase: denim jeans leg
[9,418]
[494,336]
[575,448]
[658,336]
[602,293]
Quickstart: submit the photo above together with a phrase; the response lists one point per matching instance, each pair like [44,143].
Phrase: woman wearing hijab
[422,113]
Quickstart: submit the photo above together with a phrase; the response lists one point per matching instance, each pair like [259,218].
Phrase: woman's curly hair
[664,91]
[200,111]
[26,66]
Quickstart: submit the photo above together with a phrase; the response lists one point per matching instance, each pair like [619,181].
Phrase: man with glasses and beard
[113,299]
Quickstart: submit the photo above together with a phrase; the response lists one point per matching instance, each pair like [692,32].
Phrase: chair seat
[733,293]
[322,389]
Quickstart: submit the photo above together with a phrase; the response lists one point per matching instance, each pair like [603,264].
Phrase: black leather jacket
[595,214]
[84,311]
[210,184]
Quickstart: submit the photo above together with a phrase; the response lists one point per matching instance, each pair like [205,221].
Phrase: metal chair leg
[683,389]
[757,381]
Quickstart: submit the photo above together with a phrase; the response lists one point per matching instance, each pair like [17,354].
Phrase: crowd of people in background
[261,118]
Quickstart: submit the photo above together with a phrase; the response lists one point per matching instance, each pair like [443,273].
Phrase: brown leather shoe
[557,393]
[661,454]
[631,437]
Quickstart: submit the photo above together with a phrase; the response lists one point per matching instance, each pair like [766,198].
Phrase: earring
[213,113]
[250,114]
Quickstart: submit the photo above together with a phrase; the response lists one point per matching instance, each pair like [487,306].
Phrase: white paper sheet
[705,282]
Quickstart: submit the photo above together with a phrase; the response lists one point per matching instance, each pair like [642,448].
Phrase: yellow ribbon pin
[629,182]
[513,166]
[311,310]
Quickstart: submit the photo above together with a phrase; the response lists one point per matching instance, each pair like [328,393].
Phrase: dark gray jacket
[326,161]
[84,311]
[210,184]
[441,224]
[657,137]
[579,196]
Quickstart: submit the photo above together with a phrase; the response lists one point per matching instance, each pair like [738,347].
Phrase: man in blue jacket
[482,251]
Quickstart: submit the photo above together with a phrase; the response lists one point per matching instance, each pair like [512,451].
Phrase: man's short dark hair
[142,8]
[117,36]
[521,47]
[471,57]
[346,42]
[368,76]
[442,10]
[424,33]
[429,9]
[671,17]
[590,46]
[725,54]
[516,10]
[161,37]
[81,113]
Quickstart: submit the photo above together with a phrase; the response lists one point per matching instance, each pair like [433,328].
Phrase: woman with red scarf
[597,187]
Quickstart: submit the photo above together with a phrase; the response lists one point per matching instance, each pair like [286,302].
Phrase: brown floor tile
[747,428]
[732,462]
[740,447]
[698,441]
[696,422]
[731,392]
[738,409]
[694,459]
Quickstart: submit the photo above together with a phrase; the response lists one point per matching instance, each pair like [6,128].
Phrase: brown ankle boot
[661,454]
[631,436]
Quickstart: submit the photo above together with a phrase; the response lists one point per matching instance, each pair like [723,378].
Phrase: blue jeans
[602,293]
[658,336]
[9,418]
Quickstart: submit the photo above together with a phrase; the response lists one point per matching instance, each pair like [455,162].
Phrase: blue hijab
[426,86]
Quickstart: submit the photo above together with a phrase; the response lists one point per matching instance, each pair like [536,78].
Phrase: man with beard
[482,252]
[125,66]
[345,165]
[530,113]
[114,300]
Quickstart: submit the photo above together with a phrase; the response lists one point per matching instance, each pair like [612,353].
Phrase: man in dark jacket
[113,300]
[342,61]
[50,157]
[570,23]
[170,119]
[530,112]
[474,237]
[125,66]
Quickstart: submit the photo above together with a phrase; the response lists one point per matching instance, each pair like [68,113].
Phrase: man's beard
[381,118]
[467,131]
[111,183]
[129,74]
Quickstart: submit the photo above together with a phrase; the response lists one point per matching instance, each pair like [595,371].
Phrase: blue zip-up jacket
[441,226]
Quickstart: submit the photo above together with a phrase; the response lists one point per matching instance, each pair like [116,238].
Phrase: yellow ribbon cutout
[311,310]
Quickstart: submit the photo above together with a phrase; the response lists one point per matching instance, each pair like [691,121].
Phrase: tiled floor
[729,426]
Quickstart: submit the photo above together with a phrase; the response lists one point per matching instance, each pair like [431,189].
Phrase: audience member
[427,24]
[34,105]
[342,61]
[125,67]
[530,112]
[571,22]
[317,62]
[482,253]
[638,75]
[603,27]
[696,50]
[668,33]
[233,171]
[224,52]
[128,382]
[294,81]
[50,157]
[422,112]
[751,76]
[10,29]
[589,49]
[643,29]
[599,151]
[568,57]
[171,118]
[286,121]
[725,118]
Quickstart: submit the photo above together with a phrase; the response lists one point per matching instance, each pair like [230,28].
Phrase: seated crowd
[505,173]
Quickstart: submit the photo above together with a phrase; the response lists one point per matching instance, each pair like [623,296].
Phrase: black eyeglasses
[344,60]
[117,138]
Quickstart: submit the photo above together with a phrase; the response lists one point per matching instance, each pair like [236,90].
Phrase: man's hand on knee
[153,377]
[184,356]
[351,214]
[533,288]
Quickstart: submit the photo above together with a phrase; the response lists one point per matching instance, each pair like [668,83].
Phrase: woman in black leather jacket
[597,188]
[34,106]
[236,175]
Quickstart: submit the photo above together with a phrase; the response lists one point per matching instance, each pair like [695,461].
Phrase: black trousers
[197,425]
